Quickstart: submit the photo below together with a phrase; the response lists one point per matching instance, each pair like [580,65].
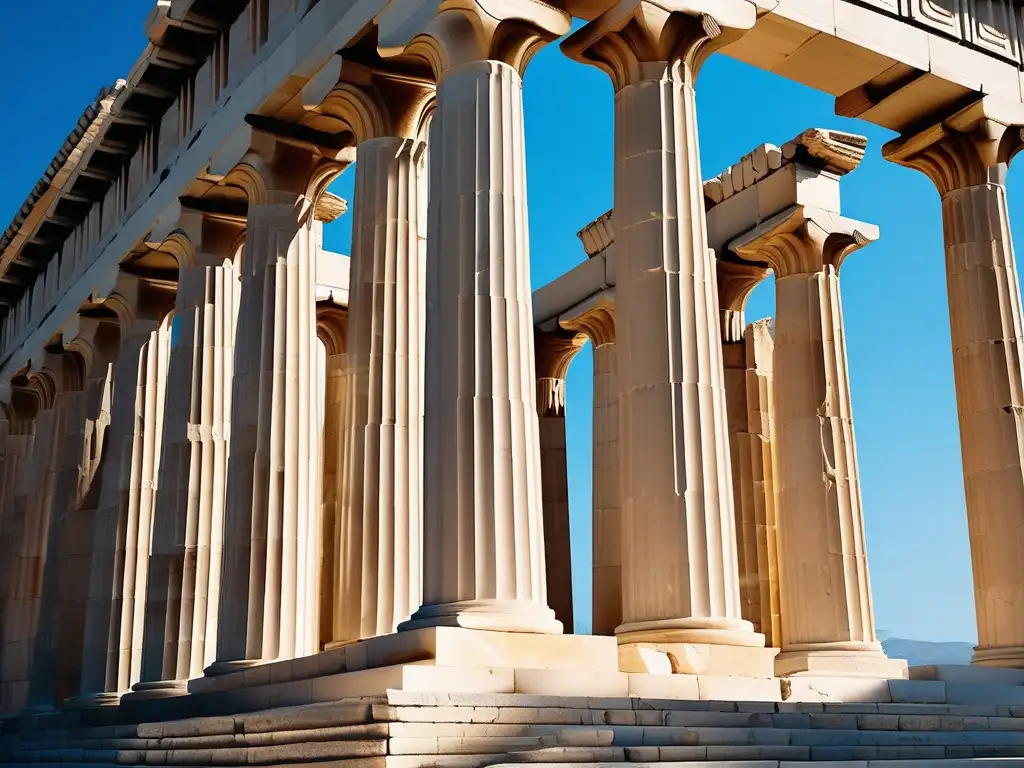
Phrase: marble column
[967,158]
[35,558]
[380,544]
[735,283]
[555,351]
[680,580]
[827,615]
[268,608]
[332,330]
[483,518]
[597,322]
[759,438]
[124,504]
[189,517]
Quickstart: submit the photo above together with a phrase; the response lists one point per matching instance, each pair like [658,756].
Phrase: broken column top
[835,152]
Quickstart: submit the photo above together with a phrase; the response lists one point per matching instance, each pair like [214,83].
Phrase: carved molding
[634,33]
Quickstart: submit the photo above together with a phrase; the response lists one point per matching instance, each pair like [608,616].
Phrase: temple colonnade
[184,502]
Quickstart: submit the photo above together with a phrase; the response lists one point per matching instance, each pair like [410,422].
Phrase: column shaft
[385,356]
[483,527]
[679,547]
[986,329]
[759,439]
[115,515]
[555,494]
[271,541]
[826,595]
[607,567]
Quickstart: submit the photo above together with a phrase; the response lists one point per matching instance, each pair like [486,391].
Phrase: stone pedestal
[268,592]
[827,615]
[679,550]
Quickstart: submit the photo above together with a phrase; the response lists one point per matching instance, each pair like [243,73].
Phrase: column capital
[803,240]
[139,302]
[972,147]
[595,318]
[633,34]
[736,280]
[375,103]
[447,33]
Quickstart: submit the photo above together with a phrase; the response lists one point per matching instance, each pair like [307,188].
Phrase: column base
[1004,656]
[844,659]
[492,615]
[94,701]
[697,659]
[734,632]
[227,667]
[160,689]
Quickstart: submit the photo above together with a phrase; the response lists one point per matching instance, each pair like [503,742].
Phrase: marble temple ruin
[262,503]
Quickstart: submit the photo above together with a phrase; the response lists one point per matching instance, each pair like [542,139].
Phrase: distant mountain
[918,652]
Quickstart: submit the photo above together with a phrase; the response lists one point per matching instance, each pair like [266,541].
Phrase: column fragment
[680,583]
[555,351]
[967,158]
[596,321]
[827,614]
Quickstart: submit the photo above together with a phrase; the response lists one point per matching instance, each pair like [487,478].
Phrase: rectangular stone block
[663,686]
[967,673]
[697,659]
[918,691]
[836,689]
[713,688]
[458,647]
[975,693]
[559,682]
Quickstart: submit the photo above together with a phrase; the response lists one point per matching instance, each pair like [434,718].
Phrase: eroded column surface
[967,160]
[483,519]
[555,351]
[680,580]
[380,542]
[268,608]
[827,615]
[184,568]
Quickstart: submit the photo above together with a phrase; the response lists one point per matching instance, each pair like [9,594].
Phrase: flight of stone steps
[411,729]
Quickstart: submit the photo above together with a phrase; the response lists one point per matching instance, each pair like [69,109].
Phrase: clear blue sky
[893,291]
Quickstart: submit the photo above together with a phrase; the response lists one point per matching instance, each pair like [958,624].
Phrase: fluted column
[967,158]
[735,283]
[555,351]
[759,438]
[332,330]
[267,607]
[125,496]
[483,518]
[827,614]
[679,552]
[597,322]
[189,517]
[380,540]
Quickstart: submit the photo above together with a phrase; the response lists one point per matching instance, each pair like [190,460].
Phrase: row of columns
[232,550]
